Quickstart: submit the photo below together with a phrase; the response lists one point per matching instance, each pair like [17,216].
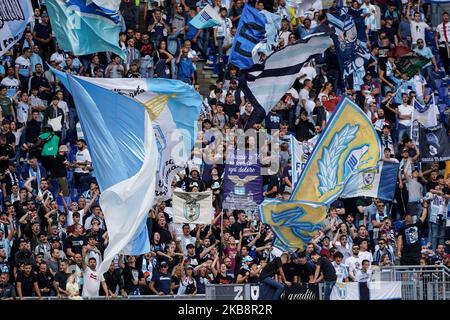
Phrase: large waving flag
[349,144]
[378,182]
[254,27]
[174,108]
[14,17]
[266,84]
[206,18]
[123,148]
[86,26]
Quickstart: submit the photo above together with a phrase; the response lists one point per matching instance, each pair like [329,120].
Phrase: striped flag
[266,84]
[206,18]
[426,114]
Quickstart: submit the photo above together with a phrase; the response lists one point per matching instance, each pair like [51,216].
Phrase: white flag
[192,207]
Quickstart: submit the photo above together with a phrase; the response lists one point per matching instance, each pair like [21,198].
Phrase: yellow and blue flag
[86,26]
[349,144]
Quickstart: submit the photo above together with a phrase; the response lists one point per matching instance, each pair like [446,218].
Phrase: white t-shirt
[419,81]
[91,283]
[405,111]
[82,156]
[24,66]
[22,112]
[353,264]
[440,30]
[418,30]
[366,255]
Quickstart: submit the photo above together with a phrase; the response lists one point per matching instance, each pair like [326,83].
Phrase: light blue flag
[174,106]
[83,27]
[206,18]
[14,17]
[378,182]
[124,154]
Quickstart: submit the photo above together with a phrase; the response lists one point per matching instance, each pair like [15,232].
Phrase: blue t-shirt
[162,282]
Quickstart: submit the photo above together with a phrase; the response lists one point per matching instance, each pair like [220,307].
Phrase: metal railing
[143,297]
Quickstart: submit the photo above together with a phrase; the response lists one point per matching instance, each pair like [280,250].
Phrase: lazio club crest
[368,179]
[191,211]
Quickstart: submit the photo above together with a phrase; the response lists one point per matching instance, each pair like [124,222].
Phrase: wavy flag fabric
[206,18]
[266,84]
[349,41]
[426,114]
[123,148]
[14,17]
[86,26]
[174,108]
[379,182]
[254,27]
[348,144]
[300,152]
[294,223]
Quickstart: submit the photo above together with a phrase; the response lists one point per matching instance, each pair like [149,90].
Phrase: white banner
[14,17]
[192,207]
[377,290]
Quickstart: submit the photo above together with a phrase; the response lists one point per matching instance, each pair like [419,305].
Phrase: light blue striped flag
[124,154]
[207,18]
[174,106]
[14,17]
[83,27]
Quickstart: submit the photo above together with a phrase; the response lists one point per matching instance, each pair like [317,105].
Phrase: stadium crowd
[52,229]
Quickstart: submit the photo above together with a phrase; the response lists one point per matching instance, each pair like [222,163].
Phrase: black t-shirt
[230,109]
[61,278]
[270,269]
[290,270]
[411,240]
[176,281]
[272,181]
[112,281]
[162,282]
[45,280]
[329,273]
[75,243]
[305,271]
[57,166]
[220,279]
[236,228]
[130,274]
[27,283]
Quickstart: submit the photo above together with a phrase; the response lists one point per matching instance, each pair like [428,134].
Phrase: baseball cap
[247,259]
[163,264]
[44,15]
[63,148]
[233,81]
[189,267]
[190,245]
[338,204]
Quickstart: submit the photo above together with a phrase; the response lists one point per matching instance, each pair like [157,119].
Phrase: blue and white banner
[377,290]
[426,113]
[379,182]
[255,27]
[124,154]
[85,26]
[349,41]
[174,108]
[300,152]
[14,17]
[266,84]
[207,18]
